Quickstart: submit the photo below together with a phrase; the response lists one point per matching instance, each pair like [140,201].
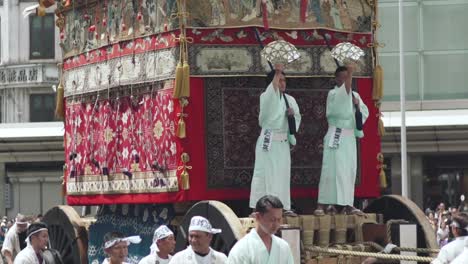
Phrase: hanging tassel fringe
[381,127]
[377,91]
[59,102]
[179,76]
[181,131]
[184,176]
[381,167]
[185,89]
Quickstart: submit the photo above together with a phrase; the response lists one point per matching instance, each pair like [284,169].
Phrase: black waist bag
[291,119]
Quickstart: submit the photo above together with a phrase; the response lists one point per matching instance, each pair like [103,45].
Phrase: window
[42,107]
[435,49]
[42,37]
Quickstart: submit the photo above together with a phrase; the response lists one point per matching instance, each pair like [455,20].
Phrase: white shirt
[188,256]
[11,242]
[154,259]
[106,261]
[27,256]
[463,257]
[252,250]
[450,251]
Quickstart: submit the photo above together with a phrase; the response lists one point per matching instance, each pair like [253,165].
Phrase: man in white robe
[460,231]
[163,245]
[463,257]
[199,251]
[339,166]
[116,247]
[15,239]
[272,171]
[37,241]
[261,245]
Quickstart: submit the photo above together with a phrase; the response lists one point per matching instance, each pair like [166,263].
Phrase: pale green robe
[339,164]
[272,172]
[251,250]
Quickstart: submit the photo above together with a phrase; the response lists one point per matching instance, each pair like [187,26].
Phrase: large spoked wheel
[67,234]
[220,216]
[398,207]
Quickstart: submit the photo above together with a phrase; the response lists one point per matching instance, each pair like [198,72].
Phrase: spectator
[15,239]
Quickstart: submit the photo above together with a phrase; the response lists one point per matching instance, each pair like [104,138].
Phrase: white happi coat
[11,242]
[251,250]
[106,261]
[463,257]
[450,251]
[27,256]
[188,256]
[154,259]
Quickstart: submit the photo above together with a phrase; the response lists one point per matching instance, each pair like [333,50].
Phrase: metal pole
[404,170]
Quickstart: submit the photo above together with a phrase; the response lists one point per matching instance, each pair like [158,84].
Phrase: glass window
[42,37]
[391,66]
[42,107]
[388,33]
[445,26]
[446,76]
[435,45]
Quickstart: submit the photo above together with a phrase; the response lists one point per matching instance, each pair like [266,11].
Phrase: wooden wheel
[398,207]
[67,234]
[220,216]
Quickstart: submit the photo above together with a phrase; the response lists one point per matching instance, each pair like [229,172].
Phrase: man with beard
[15,239]
[261,245]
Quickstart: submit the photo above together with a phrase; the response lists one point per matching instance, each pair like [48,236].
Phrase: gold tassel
[59,104]
[181,133]
[381,167]
[178,80]
[377,91]
[184,176]
[383,178]
[381,127]
[185,91]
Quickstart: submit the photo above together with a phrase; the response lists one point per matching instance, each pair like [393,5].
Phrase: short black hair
[34,227]
[340,69]
[271,75]
[267,202]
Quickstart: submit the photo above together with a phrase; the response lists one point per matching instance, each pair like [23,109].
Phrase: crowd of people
[451,229]
[28,243]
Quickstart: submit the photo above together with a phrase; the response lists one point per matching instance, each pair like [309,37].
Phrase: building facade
[31,139]
[436,62]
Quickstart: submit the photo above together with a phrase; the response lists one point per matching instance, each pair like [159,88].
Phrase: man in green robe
[272,172]
[261,245]
[339,145]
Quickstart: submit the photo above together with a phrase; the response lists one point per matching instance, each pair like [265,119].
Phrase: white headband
[160,233]
[35,232]
[20,222]
[128,240]
[199,223]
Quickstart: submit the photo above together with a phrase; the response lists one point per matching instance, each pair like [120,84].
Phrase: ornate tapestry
[232,129]
[88,25]
[121,145]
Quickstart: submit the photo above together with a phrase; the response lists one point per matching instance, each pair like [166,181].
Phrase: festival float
[160,104]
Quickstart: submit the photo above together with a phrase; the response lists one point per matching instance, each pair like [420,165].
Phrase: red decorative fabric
[265,15]
[303,10]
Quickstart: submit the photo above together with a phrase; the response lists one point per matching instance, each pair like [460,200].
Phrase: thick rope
[418,250]
[369,254]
